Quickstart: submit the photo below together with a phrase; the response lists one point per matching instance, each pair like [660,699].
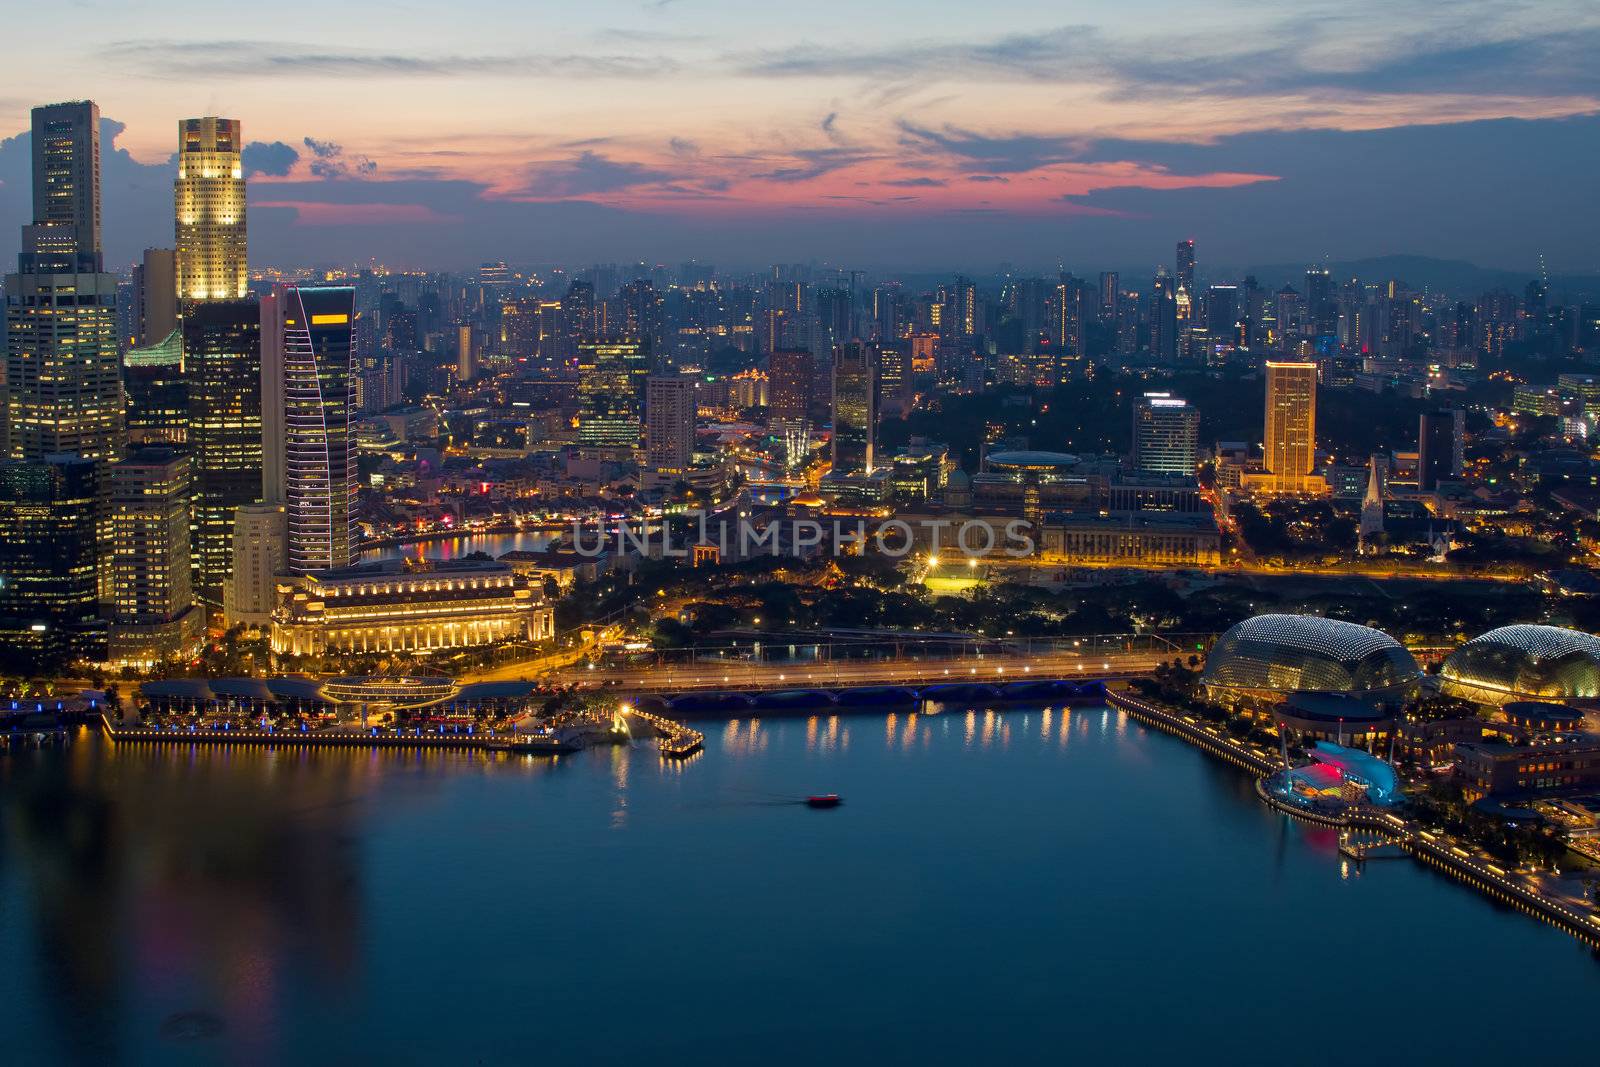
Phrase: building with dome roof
[1268,659]
[1524,662]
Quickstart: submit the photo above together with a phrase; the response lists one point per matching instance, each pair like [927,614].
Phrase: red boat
[823,800]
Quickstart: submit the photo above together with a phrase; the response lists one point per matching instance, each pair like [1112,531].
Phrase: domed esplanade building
[1518,663]
[1268,659]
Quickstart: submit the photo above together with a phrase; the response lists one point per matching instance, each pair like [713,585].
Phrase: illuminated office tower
[222,372]
[209,211]
[153,613]
[63,384]
[157,392]
[855,410]
[66,173]
[611,377]
[670,413]
[48,517]
[1291,423]
[894,379]
[308,411]
[155,296]
[1166,433]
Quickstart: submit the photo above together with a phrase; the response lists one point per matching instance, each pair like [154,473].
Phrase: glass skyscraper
[308,395]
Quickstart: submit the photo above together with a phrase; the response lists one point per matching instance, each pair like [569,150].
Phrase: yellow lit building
[209,208]
[1291,425]
[408,606]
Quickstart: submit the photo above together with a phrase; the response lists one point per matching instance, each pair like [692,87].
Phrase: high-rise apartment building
[222,371]
[153,612]
[1166,434]
[855,410]
[308,411]
[670,413]
[209,211]
[1291,423]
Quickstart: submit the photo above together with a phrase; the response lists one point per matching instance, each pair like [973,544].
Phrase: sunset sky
[887,133]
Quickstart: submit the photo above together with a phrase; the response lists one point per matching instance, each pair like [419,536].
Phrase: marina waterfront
[459,545]
[1065,876]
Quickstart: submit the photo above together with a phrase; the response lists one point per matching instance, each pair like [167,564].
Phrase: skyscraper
[895,392]
[260,554]
[155,294]
[157,392]
[466,357]
[63,383]
[1291,423]
[209,211]
[66,173]
[855,410]
[222,371]
[1163,319]
[1166,432]
[790,373]
[1439,447]
[1185,267]
[670,411]
[611,392]
[153,613]
[49,587]
[308,410]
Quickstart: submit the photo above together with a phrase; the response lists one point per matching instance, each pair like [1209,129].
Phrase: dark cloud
[331,162]
[275,159]
[916,183]
[1008,154]
[683,146]
[589,173]
[242,59]
[1284,56]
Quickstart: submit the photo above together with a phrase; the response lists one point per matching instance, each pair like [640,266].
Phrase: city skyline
[701,130]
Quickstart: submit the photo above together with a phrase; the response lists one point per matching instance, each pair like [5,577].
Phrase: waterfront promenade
[1577,918]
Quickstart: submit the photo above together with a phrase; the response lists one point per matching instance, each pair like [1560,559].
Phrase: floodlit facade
[1523,662]
[1291,424]
[400,605]
[209,211]
[1262,660]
